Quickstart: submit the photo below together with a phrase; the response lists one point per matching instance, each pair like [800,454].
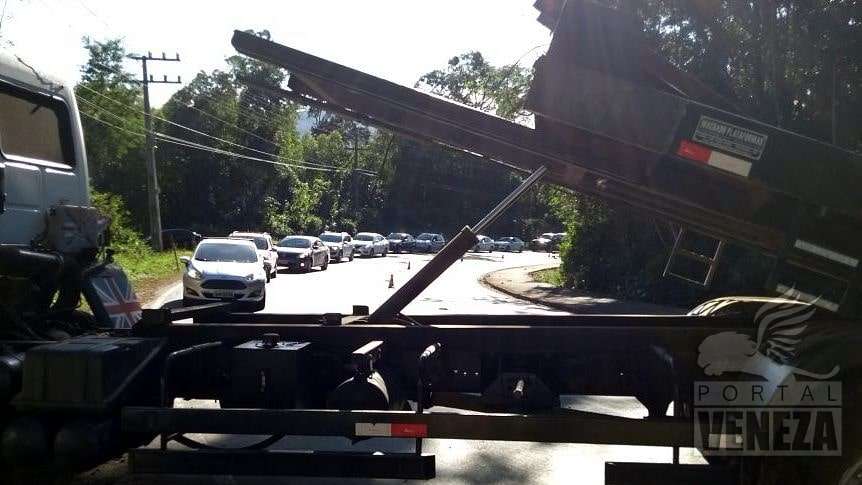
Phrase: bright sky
[398,40]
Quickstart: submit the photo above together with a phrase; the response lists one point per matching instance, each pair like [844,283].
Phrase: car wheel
[275,272]
[325,264]
[350,258]
[268,275]
[385,252]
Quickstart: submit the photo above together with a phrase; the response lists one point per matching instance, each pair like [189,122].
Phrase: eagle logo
[780,325]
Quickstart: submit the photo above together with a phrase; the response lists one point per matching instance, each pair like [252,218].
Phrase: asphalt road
[366,282]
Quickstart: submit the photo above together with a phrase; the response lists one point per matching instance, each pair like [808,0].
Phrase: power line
[185,143]
[190,144]
[198,146]
[133,109]
[95,15]
[237,109]
[3,13]
[99,120]
[181,125]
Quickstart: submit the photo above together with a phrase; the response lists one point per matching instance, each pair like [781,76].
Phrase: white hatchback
[225,270]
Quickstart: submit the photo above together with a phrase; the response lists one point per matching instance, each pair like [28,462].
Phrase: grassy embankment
[551,276]
[150,271]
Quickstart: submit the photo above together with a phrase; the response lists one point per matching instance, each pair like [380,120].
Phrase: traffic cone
[391,280]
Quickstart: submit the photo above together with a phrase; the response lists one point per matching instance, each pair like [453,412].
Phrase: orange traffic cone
[391,280]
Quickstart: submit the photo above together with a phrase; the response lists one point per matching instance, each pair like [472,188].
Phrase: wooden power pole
[152,175]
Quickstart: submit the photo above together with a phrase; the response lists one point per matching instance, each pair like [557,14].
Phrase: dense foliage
[230,156]
[777,62]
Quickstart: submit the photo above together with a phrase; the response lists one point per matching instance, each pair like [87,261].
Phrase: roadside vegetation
[551,276]
[776,62]
[148,270]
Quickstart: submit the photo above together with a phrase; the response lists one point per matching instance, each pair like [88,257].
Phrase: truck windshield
[236,253]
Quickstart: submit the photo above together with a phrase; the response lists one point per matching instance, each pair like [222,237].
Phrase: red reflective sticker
[693,151]
[407,430]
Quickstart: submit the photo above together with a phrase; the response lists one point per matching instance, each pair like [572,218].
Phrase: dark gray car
[302,252]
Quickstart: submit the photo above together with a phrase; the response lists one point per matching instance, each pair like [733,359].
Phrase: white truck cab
[42,158]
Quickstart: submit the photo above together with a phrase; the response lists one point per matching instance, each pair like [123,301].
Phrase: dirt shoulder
[151,290]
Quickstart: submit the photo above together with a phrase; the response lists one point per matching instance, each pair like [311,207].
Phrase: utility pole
[152,176]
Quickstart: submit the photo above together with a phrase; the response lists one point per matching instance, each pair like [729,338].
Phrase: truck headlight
[194,274]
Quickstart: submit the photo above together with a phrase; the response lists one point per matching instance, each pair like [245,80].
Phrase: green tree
[775,61]
[105,97]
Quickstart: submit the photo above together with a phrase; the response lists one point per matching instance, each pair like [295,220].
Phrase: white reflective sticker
[729,164]
[826,253]
[373,429]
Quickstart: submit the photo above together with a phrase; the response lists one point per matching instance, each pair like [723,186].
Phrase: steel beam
[295,463]
[560,427]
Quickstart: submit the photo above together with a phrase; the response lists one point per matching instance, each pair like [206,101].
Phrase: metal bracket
[364,357]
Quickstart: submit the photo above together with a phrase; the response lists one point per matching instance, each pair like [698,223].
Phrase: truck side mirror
[185,260]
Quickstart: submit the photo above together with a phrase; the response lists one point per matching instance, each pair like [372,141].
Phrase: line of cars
[239,266]
[427,242]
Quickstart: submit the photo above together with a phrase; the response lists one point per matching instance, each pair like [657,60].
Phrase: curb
[539,301]
[622,307]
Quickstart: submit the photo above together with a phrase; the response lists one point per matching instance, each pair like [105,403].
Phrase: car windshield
[397,235]
[364,237]
[331,237]
[237,253]
[425,235]
[294,242]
